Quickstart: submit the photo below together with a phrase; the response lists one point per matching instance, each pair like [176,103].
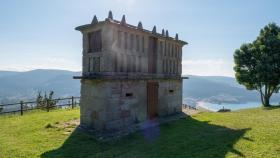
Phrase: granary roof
[123,23]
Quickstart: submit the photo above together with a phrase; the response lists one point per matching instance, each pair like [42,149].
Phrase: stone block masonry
[130,75]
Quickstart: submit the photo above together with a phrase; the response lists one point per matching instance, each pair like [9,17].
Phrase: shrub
[46,102]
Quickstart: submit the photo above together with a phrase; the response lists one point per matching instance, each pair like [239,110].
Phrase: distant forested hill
[218,89]
[16,86]
[8,73]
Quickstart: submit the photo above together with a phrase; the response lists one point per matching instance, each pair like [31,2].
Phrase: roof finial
[154,30]
[176,36]
[162,32]
[166,33]
[140,26]
[94,20]
[110,15]
[123,20]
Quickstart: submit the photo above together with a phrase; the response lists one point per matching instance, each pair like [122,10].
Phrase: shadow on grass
[183,138]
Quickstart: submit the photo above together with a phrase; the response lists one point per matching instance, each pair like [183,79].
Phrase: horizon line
[15,70]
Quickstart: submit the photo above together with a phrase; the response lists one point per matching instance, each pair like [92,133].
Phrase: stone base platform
[146,127]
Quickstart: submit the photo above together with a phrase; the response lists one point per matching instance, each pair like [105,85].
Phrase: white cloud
[207,67]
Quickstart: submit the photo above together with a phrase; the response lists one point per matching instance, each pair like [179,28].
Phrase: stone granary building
[129,74]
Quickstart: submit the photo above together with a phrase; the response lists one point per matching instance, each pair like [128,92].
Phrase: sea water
[233,107]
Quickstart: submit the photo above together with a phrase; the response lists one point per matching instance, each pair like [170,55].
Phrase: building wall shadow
[183,138]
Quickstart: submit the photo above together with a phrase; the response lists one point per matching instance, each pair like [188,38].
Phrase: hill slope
[246,133]
[26,85]
[17,86]
[218,89]
[8,73]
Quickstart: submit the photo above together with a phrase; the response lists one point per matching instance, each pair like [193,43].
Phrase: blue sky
[40,34]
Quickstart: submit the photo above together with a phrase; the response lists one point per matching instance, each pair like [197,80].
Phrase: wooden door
[152,97]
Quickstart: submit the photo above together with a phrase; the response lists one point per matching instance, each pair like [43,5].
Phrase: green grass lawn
[246,133]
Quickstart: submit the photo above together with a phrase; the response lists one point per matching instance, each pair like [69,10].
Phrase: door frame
[152,99]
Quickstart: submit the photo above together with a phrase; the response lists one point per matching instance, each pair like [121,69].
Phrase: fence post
[21,108]
[47,100]
[72,99]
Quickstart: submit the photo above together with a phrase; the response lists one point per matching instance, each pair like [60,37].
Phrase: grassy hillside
[249,133]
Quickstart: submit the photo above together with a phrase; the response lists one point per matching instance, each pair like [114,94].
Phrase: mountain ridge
[26,85]
[17,86]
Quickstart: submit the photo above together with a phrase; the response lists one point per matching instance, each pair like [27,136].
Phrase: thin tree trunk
[266,101]
[261,96]
[265,96]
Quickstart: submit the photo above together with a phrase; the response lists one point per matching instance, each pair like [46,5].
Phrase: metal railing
[185,106]
[21,107]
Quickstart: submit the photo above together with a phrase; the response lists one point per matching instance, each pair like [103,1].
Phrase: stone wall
[114,104]
[120,52]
